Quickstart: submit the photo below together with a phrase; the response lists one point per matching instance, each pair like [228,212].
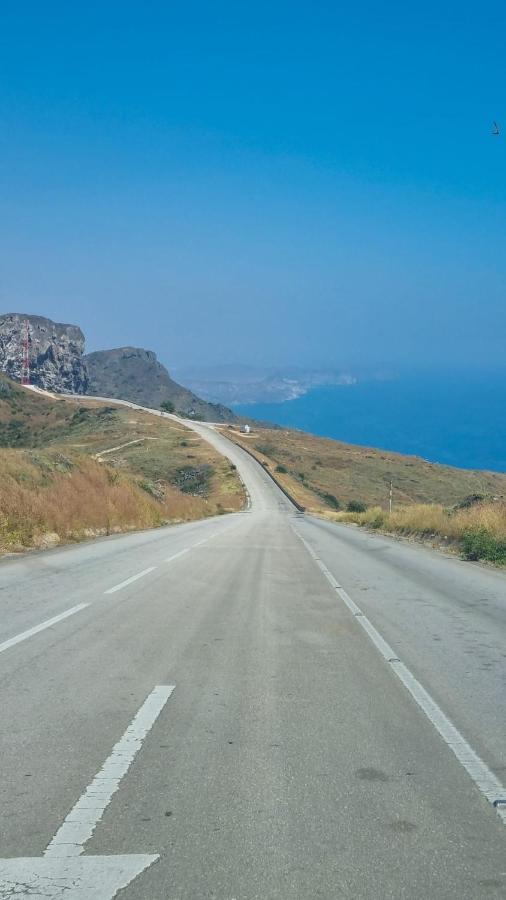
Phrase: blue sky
[267,183]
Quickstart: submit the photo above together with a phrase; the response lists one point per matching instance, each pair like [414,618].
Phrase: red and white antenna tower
[25,365]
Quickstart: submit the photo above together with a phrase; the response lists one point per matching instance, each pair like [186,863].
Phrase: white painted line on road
[63,873]
[81,821]
[200,543]
[70,878]
[482,776]
[43,625]
[177,555]
[122,584]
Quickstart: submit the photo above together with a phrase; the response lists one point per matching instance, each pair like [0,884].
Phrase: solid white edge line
[11,642]
[81,821]
[122,584]
[483,777]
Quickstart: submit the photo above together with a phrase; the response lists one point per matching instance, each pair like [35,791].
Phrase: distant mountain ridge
[131,373]
[251,385]
[58,363]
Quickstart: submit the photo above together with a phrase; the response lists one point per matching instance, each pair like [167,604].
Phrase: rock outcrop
[57,364]
[55,353]
[131,373]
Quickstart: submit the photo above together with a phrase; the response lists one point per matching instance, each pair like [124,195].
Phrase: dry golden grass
[478,531]
[48,498]
[432,519]
[60,485]
[87,498]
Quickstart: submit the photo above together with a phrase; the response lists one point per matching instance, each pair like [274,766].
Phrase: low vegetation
[47,497]
[478,531]
[456,508]
[70,470]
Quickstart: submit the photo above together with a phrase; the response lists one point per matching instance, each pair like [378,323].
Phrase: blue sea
[458,419]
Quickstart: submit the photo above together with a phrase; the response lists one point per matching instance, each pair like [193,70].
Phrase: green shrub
[147,486]
[265,449]
[194,480]
[356,506]
[14,434]
[470,500]
[167,406]
[478,543]
[330,500]
[282,470]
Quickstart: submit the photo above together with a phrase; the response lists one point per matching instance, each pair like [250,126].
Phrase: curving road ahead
[260,705]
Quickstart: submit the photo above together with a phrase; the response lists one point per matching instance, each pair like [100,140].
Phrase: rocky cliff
[55,353]
[57,364]
[131,373]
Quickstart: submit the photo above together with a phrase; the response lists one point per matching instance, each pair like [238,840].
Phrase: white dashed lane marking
[122,584]
[30,632]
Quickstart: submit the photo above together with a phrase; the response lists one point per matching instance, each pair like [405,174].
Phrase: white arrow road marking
[62,872]
[84,878]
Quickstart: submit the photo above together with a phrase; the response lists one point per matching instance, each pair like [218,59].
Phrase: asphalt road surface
[260,705]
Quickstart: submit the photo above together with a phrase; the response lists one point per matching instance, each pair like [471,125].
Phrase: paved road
[196,712]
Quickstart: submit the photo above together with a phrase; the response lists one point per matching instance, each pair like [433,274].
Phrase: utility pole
[390,496]
[25,364]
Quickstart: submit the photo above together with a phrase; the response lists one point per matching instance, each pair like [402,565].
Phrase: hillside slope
[455,509]
[71,469]
[131,373]
[325,474]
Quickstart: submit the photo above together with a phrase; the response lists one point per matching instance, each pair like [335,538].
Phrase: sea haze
[458,419]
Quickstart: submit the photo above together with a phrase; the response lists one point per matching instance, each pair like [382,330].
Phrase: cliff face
[131,373]
[55,351]
[128,373]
